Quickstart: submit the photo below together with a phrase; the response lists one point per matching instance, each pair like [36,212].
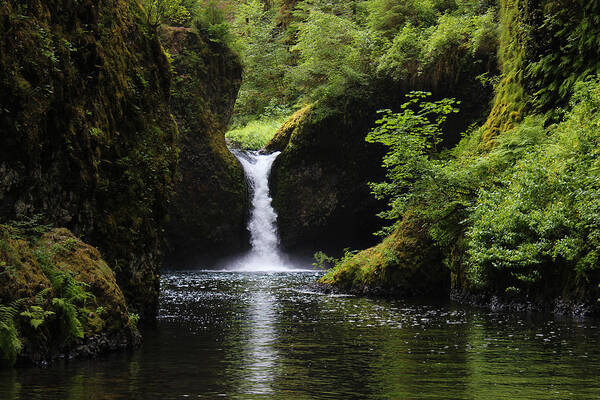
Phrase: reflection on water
[260,358]
[267,335]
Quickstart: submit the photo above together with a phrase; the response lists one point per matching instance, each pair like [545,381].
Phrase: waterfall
[264,254]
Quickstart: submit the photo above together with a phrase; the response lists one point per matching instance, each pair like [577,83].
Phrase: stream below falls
[268,335]
[257,329]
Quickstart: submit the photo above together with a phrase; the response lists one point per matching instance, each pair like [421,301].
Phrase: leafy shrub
[523,215]
[547,213]
[412,137]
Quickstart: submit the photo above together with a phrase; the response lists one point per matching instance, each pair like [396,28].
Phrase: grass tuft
[255,134]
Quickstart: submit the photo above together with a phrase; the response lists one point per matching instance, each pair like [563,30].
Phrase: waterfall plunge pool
[268,335]
[257,330]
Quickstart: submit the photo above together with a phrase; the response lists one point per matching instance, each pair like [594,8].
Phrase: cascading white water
[264,254]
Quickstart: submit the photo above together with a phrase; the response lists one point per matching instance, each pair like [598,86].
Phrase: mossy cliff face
[62,297]
[207,213]
[545,47]
[88,140]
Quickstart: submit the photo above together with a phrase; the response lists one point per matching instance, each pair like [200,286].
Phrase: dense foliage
[521,220]
[320,50]
[543,222]
[513,208]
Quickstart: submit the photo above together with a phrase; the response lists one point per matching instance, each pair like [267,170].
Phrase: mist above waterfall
[262,225]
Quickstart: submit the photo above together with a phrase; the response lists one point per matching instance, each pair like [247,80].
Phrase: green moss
[88,139]
[545,48]
[293,124]
[405,263]
[60,288]
[510,99]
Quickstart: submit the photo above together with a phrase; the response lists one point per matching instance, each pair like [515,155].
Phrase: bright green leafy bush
[412,137]
[545,218]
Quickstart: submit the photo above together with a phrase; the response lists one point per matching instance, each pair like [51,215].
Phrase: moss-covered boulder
[58,298]
[88,140]
[208,211]
[406,263]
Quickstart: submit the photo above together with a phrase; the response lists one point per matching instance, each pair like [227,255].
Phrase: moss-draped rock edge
[207,215]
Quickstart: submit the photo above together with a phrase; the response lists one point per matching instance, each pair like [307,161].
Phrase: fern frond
[71,324]
[10,344]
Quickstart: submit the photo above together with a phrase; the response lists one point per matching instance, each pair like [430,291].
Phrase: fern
[69,294]
[37,315]
[10,344]
[71,325]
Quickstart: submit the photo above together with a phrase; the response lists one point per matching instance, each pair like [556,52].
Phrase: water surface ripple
[269,335]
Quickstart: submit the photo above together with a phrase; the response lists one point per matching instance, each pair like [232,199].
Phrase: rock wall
[208,211]
[320,181]
[87,138]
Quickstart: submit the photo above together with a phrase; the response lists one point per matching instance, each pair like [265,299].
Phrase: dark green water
[266,335]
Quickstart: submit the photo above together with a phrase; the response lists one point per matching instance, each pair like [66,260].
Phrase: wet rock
[208,211]
[88,140]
